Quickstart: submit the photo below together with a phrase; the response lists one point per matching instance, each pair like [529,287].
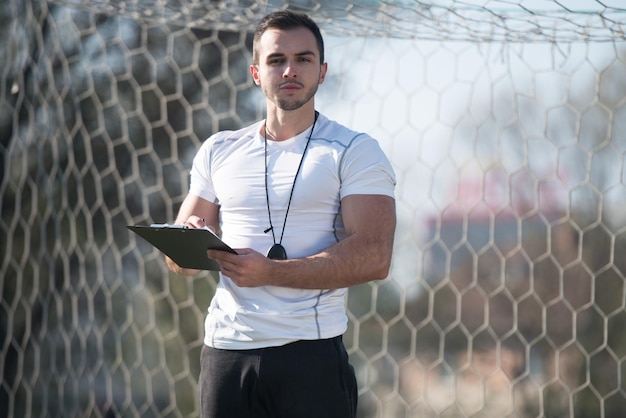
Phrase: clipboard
[185,246]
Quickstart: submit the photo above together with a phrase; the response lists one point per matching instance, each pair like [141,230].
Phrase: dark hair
[285,20]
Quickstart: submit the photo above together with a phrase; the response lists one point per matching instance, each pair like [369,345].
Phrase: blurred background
[506,125]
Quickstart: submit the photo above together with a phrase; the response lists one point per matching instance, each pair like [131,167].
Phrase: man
[308,206]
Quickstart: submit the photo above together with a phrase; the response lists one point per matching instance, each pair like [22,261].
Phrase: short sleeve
[365,169]
[201,183]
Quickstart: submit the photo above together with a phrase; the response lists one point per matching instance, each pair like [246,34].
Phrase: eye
[275,61]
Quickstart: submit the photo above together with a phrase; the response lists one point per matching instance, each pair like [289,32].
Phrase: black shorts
[301,379]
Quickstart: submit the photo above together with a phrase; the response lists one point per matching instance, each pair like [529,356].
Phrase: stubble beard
[295,104]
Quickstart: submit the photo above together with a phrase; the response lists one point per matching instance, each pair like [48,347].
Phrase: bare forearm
[364,255]
[345,264]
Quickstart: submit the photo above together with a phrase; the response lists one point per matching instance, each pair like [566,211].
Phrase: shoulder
[221,144]
[340,135]
[347,143]
[232,136]
[331,130]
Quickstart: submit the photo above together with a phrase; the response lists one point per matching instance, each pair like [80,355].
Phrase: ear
[323,70]
[254,71]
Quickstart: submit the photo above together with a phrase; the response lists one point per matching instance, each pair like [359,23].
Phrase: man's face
[289,69]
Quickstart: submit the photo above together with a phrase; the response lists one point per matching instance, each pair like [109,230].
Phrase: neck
[284,125]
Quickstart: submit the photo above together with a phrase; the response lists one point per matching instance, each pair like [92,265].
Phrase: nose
[290,70]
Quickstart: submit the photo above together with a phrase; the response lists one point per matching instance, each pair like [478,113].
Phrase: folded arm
[364,255]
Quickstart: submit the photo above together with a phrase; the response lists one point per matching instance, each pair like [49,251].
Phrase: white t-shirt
[229,171]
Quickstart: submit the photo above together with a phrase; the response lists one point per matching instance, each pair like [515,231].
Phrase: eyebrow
[298,54]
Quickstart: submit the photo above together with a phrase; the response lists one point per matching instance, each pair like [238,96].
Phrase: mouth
[290,86]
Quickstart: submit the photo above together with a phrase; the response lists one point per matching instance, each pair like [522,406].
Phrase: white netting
[505,122]
[474,20]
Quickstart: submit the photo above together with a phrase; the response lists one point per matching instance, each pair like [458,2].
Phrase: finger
[195,221]
[219,256]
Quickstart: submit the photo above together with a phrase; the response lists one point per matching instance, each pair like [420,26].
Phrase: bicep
[369,215]
[370,222]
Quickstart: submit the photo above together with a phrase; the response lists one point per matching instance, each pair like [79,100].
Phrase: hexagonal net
[504,122]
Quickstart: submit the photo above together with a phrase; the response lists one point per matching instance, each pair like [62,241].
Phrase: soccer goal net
[505,123]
